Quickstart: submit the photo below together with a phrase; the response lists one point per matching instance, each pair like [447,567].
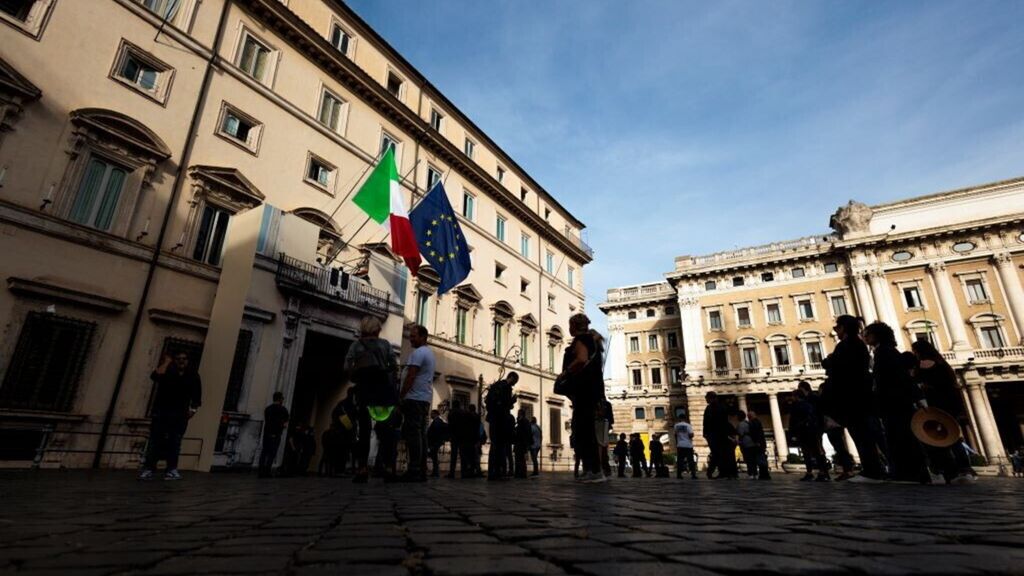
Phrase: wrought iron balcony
[332,285]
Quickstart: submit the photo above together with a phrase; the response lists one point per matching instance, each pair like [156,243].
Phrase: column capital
[937,267]
[875,273]
[688,301]
[1002,259]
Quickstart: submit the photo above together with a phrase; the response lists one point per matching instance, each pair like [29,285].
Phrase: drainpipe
[179,182]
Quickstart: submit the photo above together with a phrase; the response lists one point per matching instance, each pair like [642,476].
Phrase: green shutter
[105,214]
[87,192]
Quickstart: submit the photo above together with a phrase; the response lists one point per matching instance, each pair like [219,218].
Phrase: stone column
[693,334]
[986,423]
[884,305]
[1012,287]
[949,307]
[864,304]
[781,446]
[741,401]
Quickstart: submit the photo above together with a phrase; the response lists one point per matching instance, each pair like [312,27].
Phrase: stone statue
[851,219]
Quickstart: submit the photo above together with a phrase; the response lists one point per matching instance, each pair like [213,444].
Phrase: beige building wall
[296,319]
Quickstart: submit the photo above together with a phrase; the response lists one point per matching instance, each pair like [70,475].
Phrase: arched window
[329,239]
[813,344]
[502,318]
[989,329]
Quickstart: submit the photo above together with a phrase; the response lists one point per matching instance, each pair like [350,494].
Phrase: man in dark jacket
[637,457]
[179,393]
[805,423]
[621,454]
[437,435]
[720,434]
[757,434]
[501,423]
[275,419]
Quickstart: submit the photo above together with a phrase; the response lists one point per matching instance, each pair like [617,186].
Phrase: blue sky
[677,127]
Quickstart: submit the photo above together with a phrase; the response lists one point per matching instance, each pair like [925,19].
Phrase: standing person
[511,422]
[804,425]
[575,457]
[523,440]
[939,386]
[637,457]
[456,437]
[621,454]
[760,445]
[479,438]
[275,419]
[898,397]
[535,445]
[499,402]
[437,435]
[720,435]
[179,393]
[747,445]
[417,393]
[582,370]
[684,448]
[372,367]
[851,399]
[657,455]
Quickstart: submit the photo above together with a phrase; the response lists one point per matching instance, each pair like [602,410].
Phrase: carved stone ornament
[851,219]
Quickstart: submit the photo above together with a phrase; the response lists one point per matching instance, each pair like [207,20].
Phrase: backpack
[375,373]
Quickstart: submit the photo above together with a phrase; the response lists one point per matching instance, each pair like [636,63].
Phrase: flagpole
[365,222]
[417,202]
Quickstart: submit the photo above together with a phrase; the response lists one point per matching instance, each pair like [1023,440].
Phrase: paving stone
[761,563]
[475,549]
[491,565]
[351,570]
[220,565]
[353,556]
[640,569]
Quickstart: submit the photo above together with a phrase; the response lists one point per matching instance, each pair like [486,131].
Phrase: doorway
[320,383]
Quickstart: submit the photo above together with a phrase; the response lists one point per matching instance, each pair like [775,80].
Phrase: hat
[934,427]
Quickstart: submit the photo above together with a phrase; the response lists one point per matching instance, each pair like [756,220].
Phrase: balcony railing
[578,242]
[331,284]
[999,353]
[640,292]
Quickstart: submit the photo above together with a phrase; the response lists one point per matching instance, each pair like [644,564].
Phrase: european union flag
[440,238]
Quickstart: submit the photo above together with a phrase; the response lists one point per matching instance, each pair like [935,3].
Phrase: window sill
[806,320]
[979,302]
[779,323]
[500,283]
[321,187]
[159,96]
[251,149]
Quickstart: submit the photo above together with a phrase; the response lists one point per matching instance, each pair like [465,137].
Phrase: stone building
[177,175]
[755,321]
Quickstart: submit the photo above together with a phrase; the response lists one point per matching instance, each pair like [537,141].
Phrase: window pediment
[503,310]
[227,186]
[123,130]
[12,83]
[467,293]
[528,322]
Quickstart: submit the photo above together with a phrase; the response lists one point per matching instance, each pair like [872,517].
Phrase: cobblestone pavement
[85,523]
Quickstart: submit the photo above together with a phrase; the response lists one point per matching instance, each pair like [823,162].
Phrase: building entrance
[1007,401]
[320,384]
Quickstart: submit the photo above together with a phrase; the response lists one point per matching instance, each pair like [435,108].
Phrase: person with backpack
[373,368]
[499,401]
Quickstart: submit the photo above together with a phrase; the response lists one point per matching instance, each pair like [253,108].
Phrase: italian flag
[381,199]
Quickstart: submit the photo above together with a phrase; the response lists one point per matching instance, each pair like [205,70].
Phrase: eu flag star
[440,238]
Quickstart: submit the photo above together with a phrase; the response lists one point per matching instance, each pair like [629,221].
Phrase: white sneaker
[172,475]
[964,479]
[862,479]
[146,474]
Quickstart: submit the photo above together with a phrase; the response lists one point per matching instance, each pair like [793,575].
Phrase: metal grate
[47,363]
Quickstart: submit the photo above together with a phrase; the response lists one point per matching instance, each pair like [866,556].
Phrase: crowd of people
[872,391]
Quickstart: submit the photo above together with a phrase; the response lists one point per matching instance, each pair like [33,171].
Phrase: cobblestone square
[106,522]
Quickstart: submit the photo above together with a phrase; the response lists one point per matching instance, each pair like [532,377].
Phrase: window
[499,228]
[715,319]
[797,272]
[17,9]
[524,245]
[555,425]
[774,313]
[991,337]
[631,315]
[394,84]
[781,353]
[319,172]
[814,354]
[806,309]
[330,113]
[549,262]
[767,276]
[673,340]
[743,317]
[976,293]
[436,118]
[551,356]
[213,228]
[236,378]
[523,194]
[142,72]
[676,374]
[652,343]
[901,256]
[388,142]
[749,356]
[634,343]
[924,336]
[239,128]
[737,281]
[963,247]
[47,363]
[422,308]
[254,58]
[670,310]
[461,315]
[640,413]
[468,148]
[831,267]
[501,175]
[340,39]
[721,359]
[162,8]
[26,15]
[656,377]
[638,378]
[659,412]
[524,285]
[524,349]
[99,194]
[551,302]
[570,276]
[912,298]
[499,271]
[710,285]
[468,205]
[433,177]
[838,305]
[649,312]
[498,334]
